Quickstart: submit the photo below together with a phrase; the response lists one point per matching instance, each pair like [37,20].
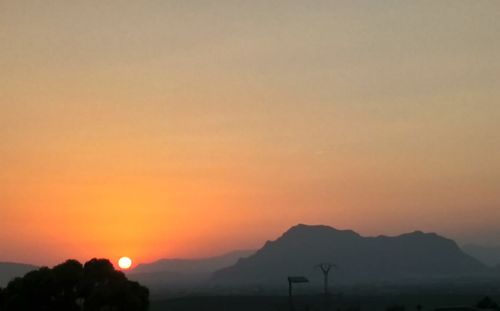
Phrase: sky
[190,128]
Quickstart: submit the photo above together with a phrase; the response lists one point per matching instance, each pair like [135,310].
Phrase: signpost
[292,280]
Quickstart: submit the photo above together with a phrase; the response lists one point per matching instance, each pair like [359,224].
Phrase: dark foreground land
[317,302]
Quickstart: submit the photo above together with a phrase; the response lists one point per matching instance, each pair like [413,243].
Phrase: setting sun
[125,263]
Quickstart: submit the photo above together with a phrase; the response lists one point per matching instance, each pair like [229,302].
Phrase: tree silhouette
[71,286]
[487,303]
[68,276]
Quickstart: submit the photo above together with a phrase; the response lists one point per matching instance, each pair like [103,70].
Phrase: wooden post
[291,280]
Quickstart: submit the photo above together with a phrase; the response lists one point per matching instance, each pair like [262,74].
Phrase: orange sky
[170,128]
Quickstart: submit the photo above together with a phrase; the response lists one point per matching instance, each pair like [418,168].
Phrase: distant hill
[184,271]
[10,270]
[497,269]
[488,255]
[413,256]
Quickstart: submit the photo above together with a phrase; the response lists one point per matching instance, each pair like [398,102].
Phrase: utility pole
[325,268]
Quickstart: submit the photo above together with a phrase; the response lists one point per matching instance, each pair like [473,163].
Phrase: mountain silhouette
[497,268]
[11,270]
[184,271]
[413,256]
[486,254]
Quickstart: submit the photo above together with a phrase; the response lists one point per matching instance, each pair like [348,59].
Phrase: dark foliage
[487,303]
[69,286]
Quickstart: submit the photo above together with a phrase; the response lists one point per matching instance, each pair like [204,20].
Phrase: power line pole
[325,267]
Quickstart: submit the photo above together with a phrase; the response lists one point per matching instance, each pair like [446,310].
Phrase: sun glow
[125,263]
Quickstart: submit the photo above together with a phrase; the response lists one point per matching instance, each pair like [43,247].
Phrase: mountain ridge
[10,270]
[489,255]
[187,263]
[414,255]
[178,271]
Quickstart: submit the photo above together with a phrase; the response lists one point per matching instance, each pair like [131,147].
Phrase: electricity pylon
[325,267]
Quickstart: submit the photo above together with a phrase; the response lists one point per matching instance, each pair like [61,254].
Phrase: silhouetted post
[325,268]
[291,280]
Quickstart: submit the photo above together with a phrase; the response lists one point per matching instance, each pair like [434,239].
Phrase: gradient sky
[190,128]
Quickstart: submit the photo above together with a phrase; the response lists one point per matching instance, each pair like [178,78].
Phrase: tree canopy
[94,286]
